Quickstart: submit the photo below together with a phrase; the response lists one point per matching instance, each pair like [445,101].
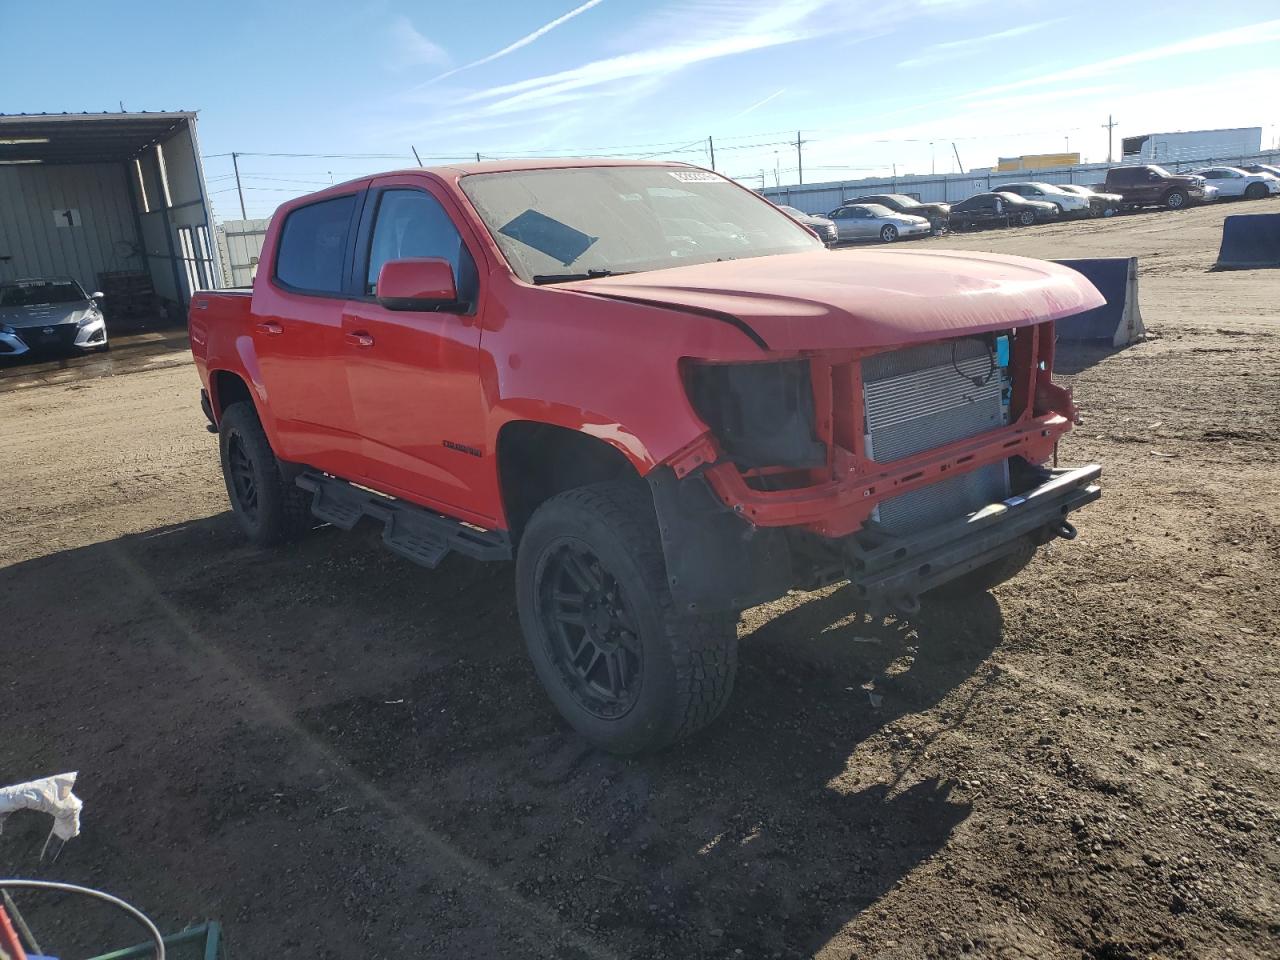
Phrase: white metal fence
[239,246]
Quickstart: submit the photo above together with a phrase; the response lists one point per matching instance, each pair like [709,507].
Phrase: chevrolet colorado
[659,394]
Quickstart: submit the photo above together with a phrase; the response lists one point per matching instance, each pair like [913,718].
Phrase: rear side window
[313,245]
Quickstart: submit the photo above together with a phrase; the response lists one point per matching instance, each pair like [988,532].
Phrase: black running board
[414,532]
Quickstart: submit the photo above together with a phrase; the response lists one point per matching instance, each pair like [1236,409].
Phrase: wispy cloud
[759,103]
[953,49]
[524,41]
[1266,32]
[413,49]
[759,29]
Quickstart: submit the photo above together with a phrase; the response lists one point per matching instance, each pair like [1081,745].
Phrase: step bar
[414,532]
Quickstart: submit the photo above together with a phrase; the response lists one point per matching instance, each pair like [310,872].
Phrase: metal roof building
[115,200]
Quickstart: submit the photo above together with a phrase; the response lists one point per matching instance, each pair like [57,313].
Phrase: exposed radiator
[925,397]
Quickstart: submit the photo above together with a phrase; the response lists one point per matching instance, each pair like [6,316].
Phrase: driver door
[414,376]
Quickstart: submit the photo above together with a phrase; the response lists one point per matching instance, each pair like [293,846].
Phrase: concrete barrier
[1250,241]
[1118,321]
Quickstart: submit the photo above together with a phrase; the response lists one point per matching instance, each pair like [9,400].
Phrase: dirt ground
[336,753]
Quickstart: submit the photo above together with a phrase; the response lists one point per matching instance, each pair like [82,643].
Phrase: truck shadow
[234,675]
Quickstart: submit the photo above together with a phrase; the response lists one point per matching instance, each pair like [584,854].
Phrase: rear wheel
[269,508]
[625,669]
[1175,200]
[888,233]
[1255,191]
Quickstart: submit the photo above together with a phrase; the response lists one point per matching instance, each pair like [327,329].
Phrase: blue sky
[870,84]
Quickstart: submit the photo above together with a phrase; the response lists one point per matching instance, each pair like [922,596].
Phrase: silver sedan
[49,313]
[870,221]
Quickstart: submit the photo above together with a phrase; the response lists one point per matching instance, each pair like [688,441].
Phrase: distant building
[1192,145]
[1037,161]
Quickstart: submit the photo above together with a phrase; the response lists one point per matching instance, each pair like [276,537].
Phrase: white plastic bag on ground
[53,796]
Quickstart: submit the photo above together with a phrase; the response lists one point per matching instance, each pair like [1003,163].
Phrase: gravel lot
[338,754]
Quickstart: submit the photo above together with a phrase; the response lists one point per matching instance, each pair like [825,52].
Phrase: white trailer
[1219,145]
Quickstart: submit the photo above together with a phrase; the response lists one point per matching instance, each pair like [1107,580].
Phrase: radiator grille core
[925,397]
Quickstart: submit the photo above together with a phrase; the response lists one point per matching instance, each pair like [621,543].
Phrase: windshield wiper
[541,278]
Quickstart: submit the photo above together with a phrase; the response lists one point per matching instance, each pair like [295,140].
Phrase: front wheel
[1026,218]
[1175,200]
[888,233]
[623,667]
[269,508]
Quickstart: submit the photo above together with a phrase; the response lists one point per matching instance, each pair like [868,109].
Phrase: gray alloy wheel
[888,233]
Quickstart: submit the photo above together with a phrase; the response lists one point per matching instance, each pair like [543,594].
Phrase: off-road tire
[1255,191]
[992,575]
[688,660]
[888,233]
[1175,199]
[280,510]
[1026,218]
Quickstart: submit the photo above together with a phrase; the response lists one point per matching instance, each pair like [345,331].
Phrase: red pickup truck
[659,394]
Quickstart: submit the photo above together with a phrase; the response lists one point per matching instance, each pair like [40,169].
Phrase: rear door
[414,376]
[297,335]
[843,219]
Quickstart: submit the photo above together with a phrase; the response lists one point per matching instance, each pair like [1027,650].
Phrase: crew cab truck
[1153,186]
[658,394]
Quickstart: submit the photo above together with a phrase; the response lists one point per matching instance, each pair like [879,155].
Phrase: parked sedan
[50,313]
[1100,204]
[1234,182]
[938,214]
[870,221]
[1067,202]
[1263,168]
[823,227]
[999,209]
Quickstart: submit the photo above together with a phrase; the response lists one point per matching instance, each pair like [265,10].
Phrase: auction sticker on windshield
[697,176]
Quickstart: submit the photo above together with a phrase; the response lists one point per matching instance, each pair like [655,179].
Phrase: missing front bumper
[891,572]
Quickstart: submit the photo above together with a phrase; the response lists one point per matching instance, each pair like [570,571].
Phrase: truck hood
[863,299]
[44,314]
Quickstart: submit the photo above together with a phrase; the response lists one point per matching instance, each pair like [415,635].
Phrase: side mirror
[417,283]
[96,295]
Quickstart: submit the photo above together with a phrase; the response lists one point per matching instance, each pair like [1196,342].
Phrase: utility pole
[415,154]
[477,156]
[933,167]
[711,148]
[959,165]
[1109,126]
[762,184]
[799,158]
[236,166]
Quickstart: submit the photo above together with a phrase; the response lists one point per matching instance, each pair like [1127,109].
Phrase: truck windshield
[31,292]
[564,223]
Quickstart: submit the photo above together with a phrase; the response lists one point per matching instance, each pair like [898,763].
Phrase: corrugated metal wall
[148,214]
[42,239]
[240,243]
[820,198]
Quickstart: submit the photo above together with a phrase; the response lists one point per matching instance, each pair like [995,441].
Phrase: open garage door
[115,201]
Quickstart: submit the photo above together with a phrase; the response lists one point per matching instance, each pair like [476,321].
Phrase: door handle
[271,327]
[359,339]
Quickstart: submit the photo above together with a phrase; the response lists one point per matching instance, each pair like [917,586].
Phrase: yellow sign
[1037,161]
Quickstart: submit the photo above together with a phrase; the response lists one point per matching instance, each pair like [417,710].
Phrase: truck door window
[411,223]
[313,244]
